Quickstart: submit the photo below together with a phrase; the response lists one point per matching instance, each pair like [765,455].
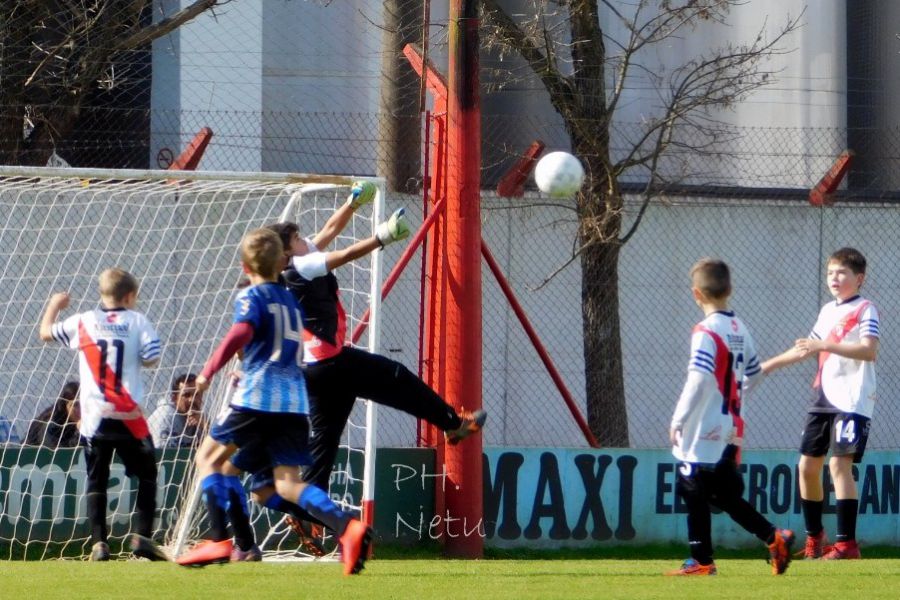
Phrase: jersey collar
[848,300]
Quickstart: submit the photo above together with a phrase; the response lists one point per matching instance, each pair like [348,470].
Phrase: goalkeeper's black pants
[139,458]
[703,486]
[334,384]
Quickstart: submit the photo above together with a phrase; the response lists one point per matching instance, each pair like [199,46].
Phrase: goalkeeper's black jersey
[324,320]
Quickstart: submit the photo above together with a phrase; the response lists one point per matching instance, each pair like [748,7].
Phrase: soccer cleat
[780,550]
[355,546]
[815,546]
[254,554]
[143,547]
[472,422]
[309,534]
[205,553]
[100,552]
[843,551]
[692,567]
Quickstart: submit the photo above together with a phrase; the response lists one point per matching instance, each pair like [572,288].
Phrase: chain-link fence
[777,250]
[284,87]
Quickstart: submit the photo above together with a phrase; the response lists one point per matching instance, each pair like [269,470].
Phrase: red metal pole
[462,281]
[536,342]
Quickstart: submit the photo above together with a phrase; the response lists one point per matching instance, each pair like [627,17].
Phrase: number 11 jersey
[112,345]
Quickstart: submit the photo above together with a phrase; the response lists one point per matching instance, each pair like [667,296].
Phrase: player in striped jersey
[706,429]
[270,409]
[845,340]
[113,343]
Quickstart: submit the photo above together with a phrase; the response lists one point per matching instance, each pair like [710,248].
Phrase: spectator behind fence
[57,425]
[177,422]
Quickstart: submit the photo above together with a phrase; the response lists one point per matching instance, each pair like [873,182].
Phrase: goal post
[178,233]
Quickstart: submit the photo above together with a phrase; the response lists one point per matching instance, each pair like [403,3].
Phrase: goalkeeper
[336,374]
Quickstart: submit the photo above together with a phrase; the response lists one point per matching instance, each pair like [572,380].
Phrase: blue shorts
[278,439]
[254,459]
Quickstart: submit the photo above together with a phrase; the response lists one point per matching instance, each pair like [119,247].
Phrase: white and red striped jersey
[847,384]
[112,345]
[723,362]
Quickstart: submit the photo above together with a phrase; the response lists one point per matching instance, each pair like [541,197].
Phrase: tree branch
[510,34]
[147,34]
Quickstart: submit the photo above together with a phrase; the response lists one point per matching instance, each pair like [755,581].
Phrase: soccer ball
[559,174]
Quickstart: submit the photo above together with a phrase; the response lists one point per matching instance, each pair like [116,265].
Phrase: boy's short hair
[712,277]
[851,258]
[262,252]
[184,378]
[116,283]
[285,231]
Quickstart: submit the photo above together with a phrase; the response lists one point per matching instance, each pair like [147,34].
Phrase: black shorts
[719,483]
[138,456]
[275,438]
[842,433]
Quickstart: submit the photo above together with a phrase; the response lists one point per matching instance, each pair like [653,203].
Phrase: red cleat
[355,546]
[843,551]
[815,546]
[205,553]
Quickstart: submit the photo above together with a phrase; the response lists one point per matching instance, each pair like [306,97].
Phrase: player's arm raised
[361,193]
[394,229]
[57,303]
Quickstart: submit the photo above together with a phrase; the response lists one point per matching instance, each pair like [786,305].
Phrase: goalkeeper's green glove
[394,229]
[362,192]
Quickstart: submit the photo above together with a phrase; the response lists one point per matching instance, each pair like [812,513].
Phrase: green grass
[418,578]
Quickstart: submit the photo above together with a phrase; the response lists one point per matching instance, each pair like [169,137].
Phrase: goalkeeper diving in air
[336,373]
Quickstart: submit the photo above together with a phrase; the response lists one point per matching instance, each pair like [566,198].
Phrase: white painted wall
[777,252]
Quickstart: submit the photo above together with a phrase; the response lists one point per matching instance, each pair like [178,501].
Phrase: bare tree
[586,70]
[54,53]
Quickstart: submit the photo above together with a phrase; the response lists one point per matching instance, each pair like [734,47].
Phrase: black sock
[146,507]
[244,537]
[812,515]
[96,505]
[846,520]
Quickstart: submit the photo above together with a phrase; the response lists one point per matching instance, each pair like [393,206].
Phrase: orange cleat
[205,553]
[843,551]
[780,550]
[309,534]
[692,567]
[472,422]
[355,546]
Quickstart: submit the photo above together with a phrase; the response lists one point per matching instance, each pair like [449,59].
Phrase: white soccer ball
[559,174]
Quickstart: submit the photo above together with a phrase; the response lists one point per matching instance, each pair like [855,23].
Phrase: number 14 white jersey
[112,344]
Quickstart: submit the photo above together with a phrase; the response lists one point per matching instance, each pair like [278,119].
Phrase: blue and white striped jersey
[272,380]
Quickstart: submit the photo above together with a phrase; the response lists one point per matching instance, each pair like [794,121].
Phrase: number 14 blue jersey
[272,380]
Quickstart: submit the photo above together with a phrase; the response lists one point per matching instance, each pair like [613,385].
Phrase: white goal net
[178,232]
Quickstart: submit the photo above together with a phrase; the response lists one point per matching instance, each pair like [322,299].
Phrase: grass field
[493,579]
